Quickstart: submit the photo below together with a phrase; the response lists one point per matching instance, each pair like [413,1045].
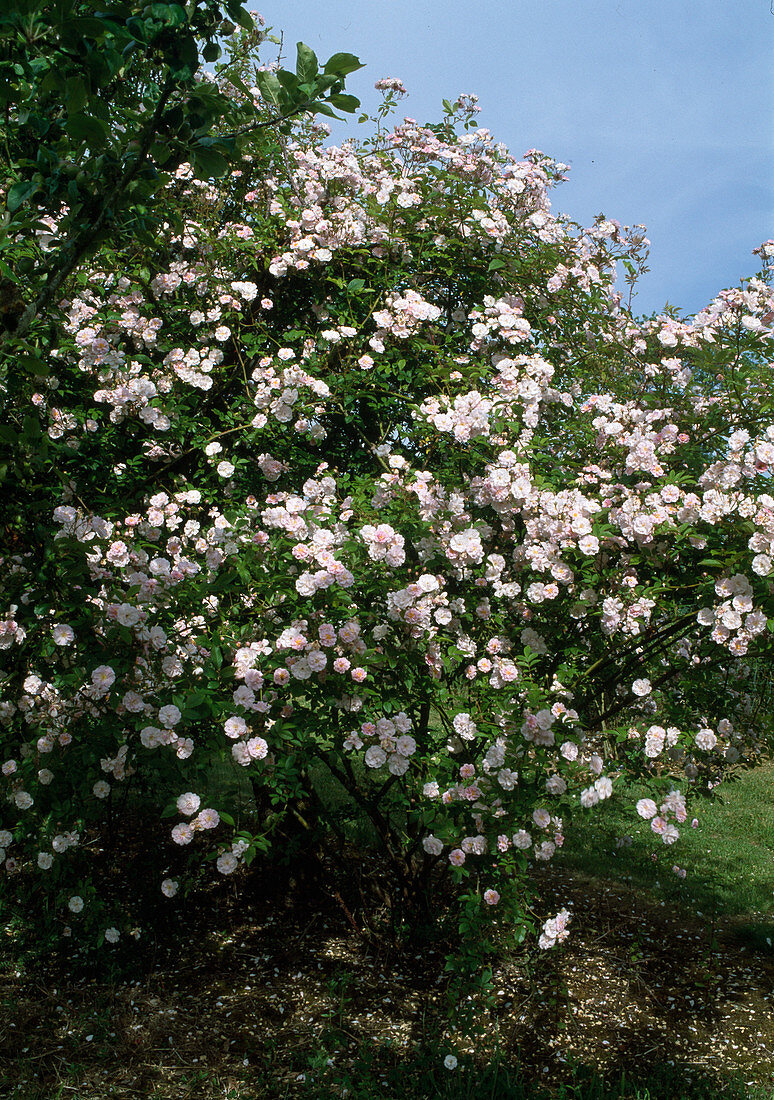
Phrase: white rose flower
[375,757]
[227,863]
[103,677]
[432,845]
[188,803]
[169,715]
[706,740]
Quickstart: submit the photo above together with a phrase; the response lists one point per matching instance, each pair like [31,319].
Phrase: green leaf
[322,109]
[322,83]
[306,64]
[237,82]
[160,152]
[137,29]
[209,163]
[32,364]
[289,81]
[355,284]
[31,428]
[76,94]
[270,87]
[343,63]
[171,14]
[343,102]
[187,61]
[52,81]
[495,265]
[19,193]
[82,127]
[227,819]
[89,27]
[240,15]
[243,18]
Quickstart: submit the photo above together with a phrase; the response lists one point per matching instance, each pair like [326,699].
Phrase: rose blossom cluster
[455,617]
[555,930]
[387,742]
[673,805]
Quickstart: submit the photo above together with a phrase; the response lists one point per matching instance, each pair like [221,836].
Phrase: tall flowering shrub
[370,473]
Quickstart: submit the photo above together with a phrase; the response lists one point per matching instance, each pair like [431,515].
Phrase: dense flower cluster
[367,469]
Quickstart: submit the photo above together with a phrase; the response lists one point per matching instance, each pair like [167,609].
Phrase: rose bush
[367,472]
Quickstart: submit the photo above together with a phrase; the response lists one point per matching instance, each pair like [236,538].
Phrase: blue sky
[663,108]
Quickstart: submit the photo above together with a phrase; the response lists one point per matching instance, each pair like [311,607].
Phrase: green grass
[422,1079]
[376,1073]
[728,857]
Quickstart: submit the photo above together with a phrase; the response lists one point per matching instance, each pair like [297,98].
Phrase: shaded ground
[283,1001]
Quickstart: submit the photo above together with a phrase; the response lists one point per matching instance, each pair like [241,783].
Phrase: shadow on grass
[279,998]
[377,1073]
[712,888]
[728,857]
[276,993]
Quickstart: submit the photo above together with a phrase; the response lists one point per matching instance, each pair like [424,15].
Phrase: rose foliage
[365,479]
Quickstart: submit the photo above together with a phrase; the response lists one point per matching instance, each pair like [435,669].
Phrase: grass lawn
[729,857]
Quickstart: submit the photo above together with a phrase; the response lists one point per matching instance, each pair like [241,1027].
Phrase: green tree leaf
[86,128]
[18,193]
[344,102]
[341,64]
[306,64]
[209,163]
